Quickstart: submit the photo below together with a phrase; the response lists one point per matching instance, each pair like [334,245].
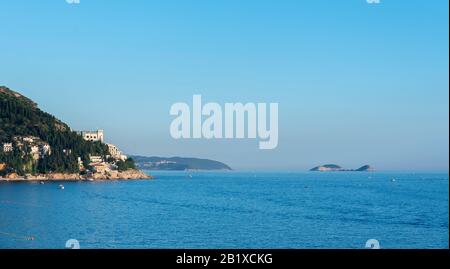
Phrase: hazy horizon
[356,83]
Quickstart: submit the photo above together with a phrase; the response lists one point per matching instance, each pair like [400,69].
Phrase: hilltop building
[98,135]
[92,135]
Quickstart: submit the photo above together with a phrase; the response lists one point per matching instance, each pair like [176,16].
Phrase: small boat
[42,183]
[393,180]
[90,179]
[61,187]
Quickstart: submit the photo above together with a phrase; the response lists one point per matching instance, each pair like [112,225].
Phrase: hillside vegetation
[21,117]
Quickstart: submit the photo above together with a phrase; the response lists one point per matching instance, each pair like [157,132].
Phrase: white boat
[61,187]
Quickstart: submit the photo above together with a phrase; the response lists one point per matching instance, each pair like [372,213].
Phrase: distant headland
[178,163]
[35,145]
[337,168]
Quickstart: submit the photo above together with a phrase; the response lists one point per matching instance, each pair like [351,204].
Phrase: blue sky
[356,83]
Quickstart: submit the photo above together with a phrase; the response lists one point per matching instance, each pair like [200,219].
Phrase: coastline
[131,174]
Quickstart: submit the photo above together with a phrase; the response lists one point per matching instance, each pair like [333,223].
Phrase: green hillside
[19,116]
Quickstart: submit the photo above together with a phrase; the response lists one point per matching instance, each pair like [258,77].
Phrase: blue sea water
[231,210]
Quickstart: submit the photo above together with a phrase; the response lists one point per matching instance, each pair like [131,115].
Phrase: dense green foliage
[16,162]
[20,116]
[125,165]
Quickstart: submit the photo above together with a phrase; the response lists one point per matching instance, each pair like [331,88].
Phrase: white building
[44,149]
[116,153]
[92,135]
[80,163]
[35,152]
[29,139]
[7,147]
[96,159]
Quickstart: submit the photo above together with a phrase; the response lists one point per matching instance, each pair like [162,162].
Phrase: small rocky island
[35,145]
[337,168]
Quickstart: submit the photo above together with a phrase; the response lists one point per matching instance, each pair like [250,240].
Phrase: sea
[203,210]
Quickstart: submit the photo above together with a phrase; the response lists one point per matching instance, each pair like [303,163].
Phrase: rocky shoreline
[131,174]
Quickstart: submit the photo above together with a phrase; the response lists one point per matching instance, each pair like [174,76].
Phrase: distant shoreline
[178,164]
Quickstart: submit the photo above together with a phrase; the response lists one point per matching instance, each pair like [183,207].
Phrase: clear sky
[356,83]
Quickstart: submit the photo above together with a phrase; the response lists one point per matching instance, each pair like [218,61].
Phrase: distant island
[178,163]
[35,145]
[337,168]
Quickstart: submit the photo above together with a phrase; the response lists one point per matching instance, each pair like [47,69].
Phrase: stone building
[92,135]
[116,153]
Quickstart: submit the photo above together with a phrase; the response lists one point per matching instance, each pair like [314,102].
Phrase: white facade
[35,152]
[80,163]
[96,159]
[116,153]
[44,149]
[7,147]
[92,135]
[29,139]
[34,149]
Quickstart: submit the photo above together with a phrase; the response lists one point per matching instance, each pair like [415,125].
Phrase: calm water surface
[231,210]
